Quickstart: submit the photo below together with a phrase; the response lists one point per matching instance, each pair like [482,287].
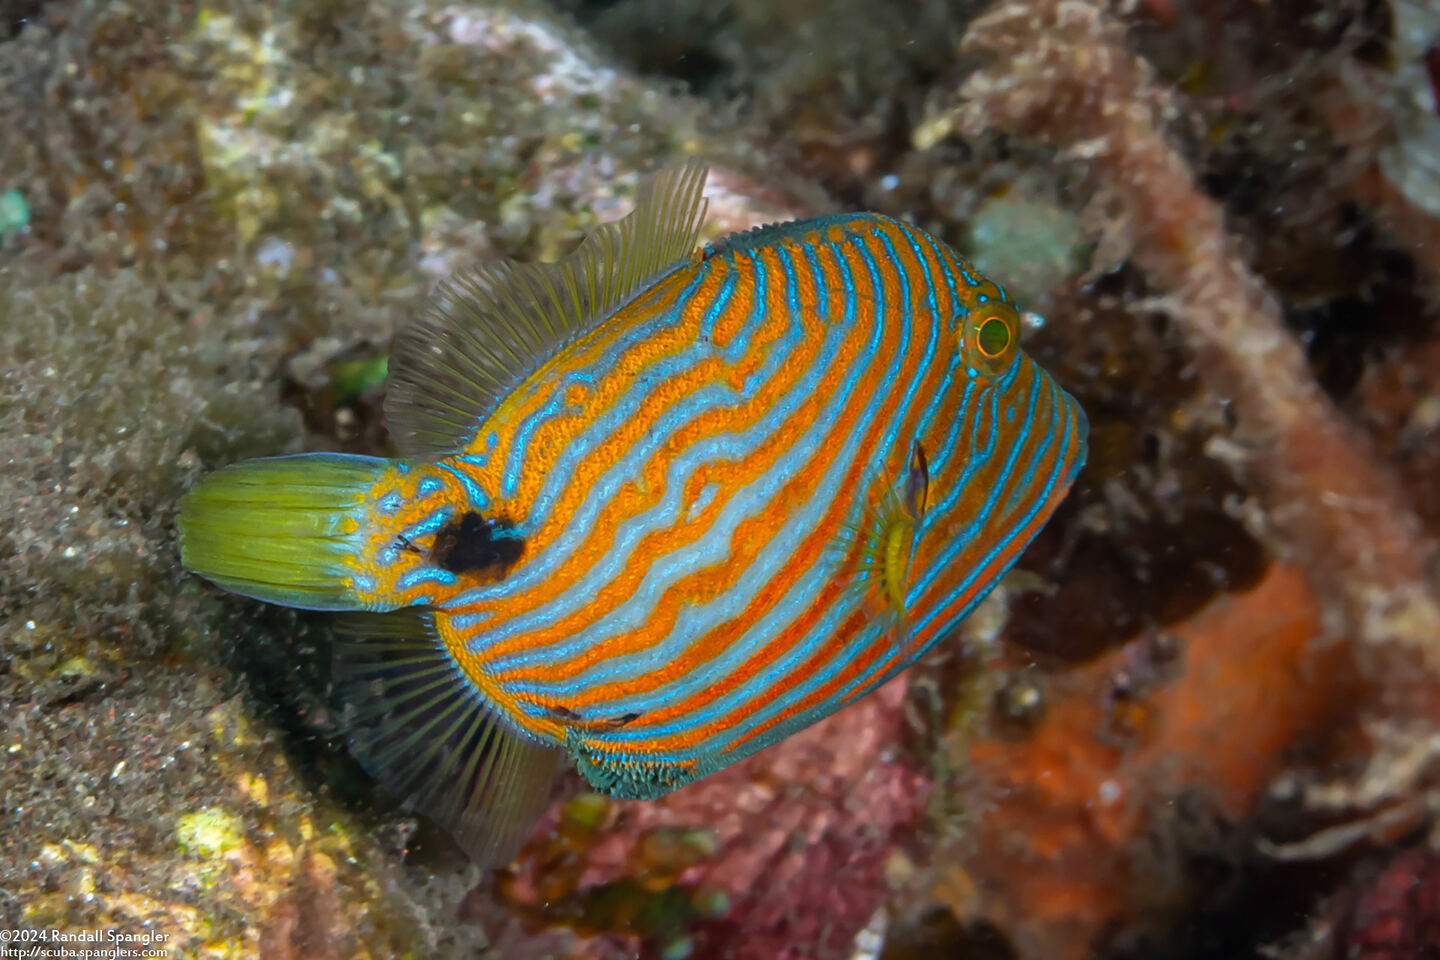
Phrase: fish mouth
[1037,439]
[1021,444]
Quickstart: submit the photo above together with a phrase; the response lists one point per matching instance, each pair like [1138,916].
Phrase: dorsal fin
[486,328]
[769,233]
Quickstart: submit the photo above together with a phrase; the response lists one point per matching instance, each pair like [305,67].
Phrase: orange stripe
[382,531]
[497,693]
[933,377]
[730,477]
[752,532]
[970,293]
[551,439]
[718,639]
[962,566]
[633,499]
[535,391]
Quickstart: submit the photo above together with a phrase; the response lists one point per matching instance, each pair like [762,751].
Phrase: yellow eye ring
[989,340]
[992,338]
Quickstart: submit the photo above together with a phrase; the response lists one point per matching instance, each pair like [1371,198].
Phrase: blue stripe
[562,474]
[764,685]
[978,456]
[740,345]
[1026,481]
[719,306]
[865,638]
[869,681]
[520,447]
[759,492]
[481,457]
[1039,503]
[664,514]
[597,433]
[801,594]
[423,575]
[432,522]
[695,556]
[624,471]
[519,453]
[940,457]
[478,500]
[961,538]
[983,515]
[945,256]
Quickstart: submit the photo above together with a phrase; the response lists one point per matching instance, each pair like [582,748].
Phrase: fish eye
[992,338]
[989,340]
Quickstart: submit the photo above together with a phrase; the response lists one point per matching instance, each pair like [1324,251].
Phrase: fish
[656,506]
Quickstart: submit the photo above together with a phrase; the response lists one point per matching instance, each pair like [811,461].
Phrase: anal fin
[422,729]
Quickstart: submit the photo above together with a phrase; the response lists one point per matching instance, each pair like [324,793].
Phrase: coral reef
[99,450]
[1103,814]
[1402,140]
[1063,76]
[139,794]
[830,83]
[764,859]
[1069,79]
[1399,916]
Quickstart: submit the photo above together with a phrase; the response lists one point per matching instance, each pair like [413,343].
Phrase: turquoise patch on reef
[14,211]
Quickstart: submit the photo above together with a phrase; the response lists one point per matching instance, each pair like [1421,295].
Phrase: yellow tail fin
[283,529]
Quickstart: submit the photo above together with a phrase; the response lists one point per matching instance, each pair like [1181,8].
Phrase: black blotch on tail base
[475,545]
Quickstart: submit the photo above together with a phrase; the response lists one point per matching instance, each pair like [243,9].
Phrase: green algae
[353,376]
[110,405]
[1031,243]
[210,832]
[14,212]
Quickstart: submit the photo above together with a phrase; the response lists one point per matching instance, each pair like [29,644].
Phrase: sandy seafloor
[1201,719]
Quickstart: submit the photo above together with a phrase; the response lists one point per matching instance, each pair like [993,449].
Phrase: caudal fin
[282,529]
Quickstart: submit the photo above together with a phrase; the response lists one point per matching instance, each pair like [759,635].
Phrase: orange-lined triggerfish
[657,507]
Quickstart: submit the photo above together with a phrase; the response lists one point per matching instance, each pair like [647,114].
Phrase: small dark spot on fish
[611,723]
[476,545]
[404,543]
[917,483]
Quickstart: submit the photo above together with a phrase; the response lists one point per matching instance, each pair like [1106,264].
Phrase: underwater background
[1200,720]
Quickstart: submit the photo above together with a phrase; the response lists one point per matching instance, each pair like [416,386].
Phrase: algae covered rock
[109,358]
[209,212]
[114,399]
[138,793]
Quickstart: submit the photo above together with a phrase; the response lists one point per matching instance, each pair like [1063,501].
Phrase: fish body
[724,496]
